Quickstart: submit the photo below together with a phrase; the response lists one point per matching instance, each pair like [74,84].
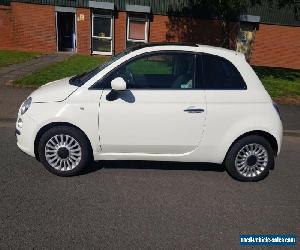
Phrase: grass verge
[72,66]
[282,84]
[8,57]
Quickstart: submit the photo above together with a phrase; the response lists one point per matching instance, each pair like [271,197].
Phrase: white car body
[154,126]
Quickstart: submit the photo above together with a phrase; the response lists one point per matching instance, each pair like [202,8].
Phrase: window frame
[97,85]
[108,16]
[146,20]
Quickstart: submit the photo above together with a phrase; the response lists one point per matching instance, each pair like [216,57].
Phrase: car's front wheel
[250,159]
[64,150]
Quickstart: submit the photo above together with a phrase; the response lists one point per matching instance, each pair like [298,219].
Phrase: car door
[160,112]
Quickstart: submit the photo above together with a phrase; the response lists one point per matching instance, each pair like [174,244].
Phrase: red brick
[277,46]
[6,28]
[83,31]
[34,27]
[189,30]
[120,31]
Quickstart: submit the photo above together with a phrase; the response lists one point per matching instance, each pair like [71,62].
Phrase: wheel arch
[45,128]
[269,137]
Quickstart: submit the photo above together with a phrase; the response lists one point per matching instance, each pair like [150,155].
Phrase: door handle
[193,110]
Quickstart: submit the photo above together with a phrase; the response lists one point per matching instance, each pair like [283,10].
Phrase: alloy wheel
[251,160]
[63,152]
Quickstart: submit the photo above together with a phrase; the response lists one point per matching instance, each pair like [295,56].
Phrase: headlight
[25,106]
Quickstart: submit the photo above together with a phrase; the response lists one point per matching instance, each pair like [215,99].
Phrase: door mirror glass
[118,84]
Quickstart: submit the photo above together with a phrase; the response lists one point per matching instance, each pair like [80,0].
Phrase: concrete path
[16,71]
[12,97]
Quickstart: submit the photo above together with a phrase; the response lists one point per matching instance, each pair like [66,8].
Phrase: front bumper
[25,134]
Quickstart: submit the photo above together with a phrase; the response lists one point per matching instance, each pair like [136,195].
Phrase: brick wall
[6,28]
[190,30]
[120,31]
[31,27]
[277,46]
[34,27]
[83,31]
[158,29]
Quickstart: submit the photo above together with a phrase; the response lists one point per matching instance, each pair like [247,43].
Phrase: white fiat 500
[158,103]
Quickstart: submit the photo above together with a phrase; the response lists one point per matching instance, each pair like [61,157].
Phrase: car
[156,102]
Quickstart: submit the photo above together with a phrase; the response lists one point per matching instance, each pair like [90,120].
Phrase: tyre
[250,159]
[64,151]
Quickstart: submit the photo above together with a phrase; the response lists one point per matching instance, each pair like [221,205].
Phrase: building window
[137,29]
[102,33]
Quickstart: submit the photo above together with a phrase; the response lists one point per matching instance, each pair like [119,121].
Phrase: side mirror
[118,84]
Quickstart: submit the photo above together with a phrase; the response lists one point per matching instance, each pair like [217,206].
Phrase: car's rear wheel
[64,151]
[250,159]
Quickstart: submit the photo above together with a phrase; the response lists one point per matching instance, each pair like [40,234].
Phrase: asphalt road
[138,205]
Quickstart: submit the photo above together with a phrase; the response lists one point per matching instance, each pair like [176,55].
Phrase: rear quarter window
[220,74]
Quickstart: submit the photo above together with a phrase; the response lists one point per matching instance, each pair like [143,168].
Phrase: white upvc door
[152,121]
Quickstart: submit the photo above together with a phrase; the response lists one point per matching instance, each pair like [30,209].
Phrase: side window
[158,71]
[154,65]
[220,74]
